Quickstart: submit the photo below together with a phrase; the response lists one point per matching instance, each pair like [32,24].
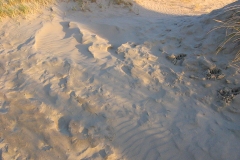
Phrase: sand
[113,82]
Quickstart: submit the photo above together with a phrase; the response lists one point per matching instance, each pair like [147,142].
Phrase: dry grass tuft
[11,8]
[84,4]
[232,26]
[123,2]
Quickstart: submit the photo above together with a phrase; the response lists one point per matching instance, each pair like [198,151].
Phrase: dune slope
[118,83]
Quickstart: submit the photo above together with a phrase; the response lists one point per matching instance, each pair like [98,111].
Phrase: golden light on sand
[182,7]
[107,80]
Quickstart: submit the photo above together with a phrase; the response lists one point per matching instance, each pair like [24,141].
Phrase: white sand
[105,83]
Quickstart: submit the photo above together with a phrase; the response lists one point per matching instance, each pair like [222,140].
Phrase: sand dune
[181,7]
[114,83]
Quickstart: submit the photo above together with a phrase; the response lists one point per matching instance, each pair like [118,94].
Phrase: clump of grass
[84,4]
[123,2]
[232,27]
[11,8]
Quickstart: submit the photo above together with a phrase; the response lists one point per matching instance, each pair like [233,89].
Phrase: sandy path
[110,84]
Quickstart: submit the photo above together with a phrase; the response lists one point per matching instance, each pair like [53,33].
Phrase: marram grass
[11,8]
[232,26]
[84,4]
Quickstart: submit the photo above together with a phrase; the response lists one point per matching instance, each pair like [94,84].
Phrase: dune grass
[123,2]
[232,27]
[84,4]
[11,8]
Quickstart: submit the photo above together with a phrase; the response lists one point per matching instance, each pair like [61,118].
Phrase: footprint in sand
[63,125]
[2,69]
[126,69]
[50,94]
[143,118]
[94,134]
[105,153]
[3,104]
[57,66]
[16,81]
[63,83]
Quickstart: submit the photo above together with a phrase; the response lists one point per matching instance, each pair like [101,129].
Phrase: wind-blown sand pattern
[119,83]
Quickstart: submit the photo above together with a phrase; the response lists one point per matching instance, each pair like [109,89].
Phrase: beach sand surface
[117,82]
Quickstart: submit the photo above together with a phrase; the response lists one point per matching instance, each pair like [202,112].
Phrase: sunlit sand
[122,82]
